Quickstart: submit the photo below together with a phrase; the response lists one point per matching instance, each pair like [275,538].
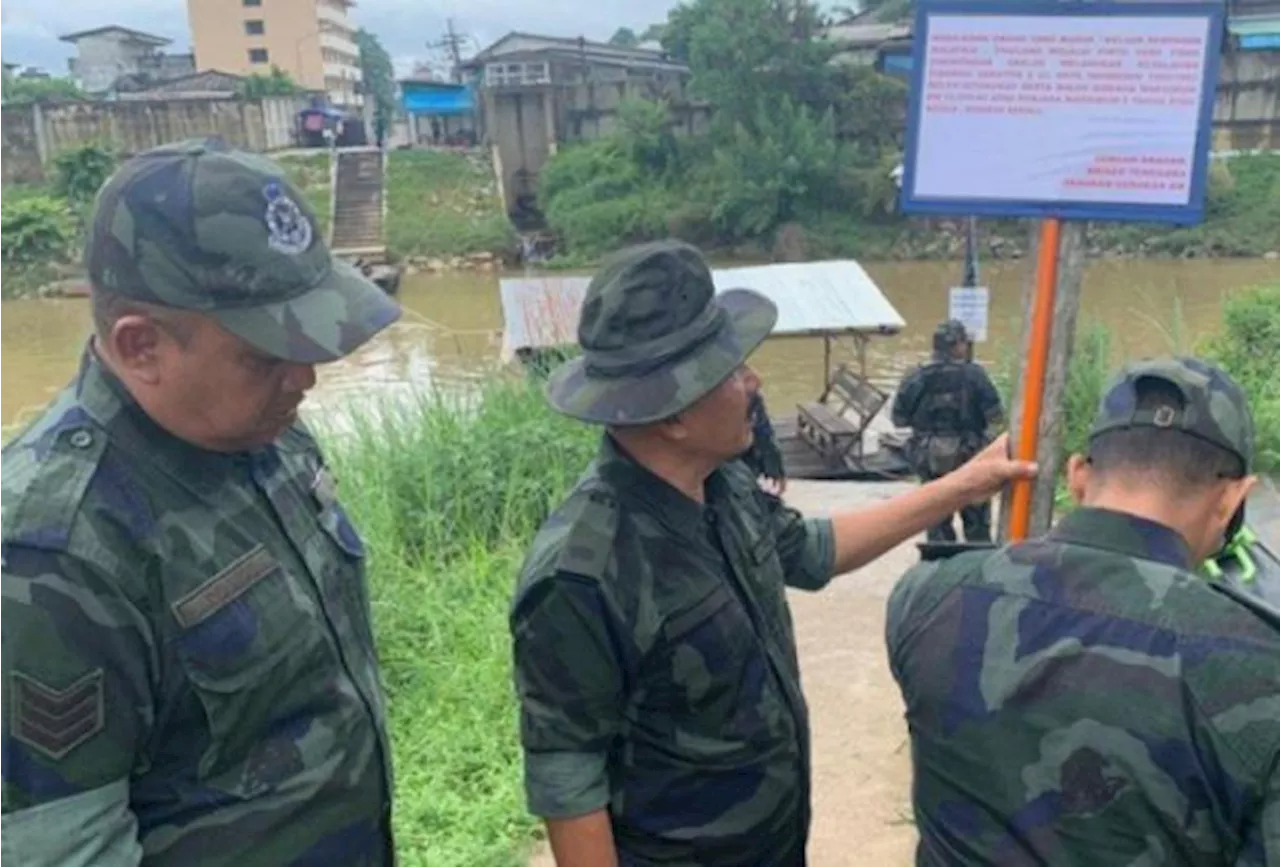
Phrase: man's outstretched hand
[983,475]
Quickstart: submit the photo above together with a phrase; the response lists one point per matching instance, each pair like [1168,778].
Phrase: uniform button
[81,439]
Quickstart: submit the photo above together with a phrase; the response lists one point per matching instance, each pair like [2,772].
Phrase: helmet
[949,334]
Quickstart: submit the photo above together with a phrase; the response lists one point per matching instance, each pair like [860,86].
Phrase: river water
[449,337]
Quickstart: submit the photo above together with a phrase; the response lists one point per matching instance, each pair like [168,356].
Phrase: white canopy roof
[833,297]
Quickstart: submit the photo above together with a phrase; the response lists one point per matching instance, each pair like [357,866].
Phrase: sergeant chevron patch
[52,721]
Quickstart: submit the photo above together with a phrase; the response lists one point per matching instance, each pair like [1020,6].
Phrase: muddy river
[449,337]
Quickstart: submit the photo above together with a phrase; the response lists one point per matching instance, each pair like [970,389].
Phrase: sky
[29,29]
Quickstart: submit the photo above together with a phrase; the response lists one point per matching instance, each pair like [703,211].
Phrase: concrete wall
[21,155]
[521,125]
[34,134]
[1246,113]
[525,124]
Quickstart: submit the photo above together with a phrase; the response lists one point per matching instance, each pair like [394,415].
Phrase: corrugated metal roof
[834,297]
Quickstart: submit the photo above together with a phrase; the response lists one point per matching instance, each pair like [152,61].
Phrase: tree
[624,37]
[746,54]
[275,83]
[379,80]
[19,89]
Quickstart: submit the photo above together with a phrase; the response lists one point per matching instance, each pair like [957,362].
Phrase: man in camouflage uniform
[951,406]
[1085,697]
[189,667]
[661,712]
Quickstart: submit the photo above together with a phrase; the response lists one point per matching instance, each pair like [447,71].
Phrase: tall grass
[447,495]
[1247,345]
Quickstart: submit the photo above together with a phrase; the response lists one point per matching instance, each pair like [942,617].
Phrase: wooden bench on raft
[835,423]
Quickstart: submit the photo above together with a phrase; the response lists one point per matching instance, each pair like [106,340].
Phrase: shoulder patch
[54,721]
[46,476]
[588,546]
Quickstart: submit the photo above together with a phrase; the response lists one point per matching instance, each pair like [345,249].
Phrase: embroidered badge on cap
[54,721]
[288,229]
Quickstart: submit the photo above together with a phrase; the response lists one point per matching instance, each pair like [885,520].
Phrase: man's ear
[134,344]
[1230,496]
[674,428]
[1079,471]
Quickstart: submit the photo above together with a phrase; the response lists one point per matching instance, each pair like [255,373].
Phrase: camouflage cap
[948,334]
[656,337]
[197,226]
[1215,408]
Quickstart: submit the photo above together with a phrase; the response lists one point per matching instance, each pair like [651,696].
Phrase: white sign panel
[1101,109]
[971,306]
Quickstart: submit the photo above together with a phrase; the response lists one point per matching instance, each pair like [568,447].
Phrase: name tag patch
[224,588]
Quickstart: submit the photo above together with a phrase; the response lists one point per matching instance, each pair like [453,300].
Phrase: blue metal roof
[436,98]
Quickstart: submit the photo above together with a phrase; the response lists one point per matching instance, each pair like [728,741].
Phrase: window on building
[255,28]
[258,55]
[517,73]
[251,2]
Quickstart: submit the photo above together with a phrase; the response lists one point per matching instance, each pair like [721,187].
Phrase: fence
[33,134]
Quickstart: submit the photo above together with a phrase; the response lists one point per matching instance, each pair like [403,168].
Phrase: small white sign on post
[970,305]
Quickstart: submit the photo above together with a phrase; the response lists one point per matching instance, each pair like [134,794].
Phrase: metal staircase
[358,202]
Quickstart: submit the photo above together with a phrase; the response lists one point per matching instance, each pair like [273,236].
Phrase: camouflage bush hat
[197,226]
[656,337]
[1215,408]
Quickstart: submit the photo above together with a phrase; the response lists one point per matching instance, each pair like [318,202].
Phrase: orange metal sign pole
[1033,381]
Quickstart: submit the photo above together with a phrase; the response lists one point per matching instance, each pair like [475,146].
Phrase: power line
[452,42]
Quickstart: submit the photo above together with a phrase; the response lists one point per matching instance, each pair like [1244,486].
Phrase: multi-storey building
[314,41]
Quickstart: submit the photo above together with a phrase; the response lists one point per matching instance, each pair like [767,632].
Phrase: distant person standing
[764,457]
[951,406]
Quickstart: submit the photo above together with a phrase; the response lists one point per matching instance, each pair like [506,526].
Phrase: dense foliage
[275,83]
[793,137]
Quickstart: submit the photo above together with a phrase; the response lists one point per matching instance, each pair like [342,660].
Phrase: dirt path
[862,764]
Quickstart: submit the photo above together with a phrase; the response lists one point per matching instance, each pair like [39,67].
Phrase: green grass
[310,173]
[444,204]
[439,205]
[447,497]
[1247,345]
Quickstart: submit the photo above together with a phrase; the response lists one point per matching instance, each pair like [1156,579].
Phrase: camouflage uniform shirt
[187,650]
[982,410]
[1084,698]
[656,667]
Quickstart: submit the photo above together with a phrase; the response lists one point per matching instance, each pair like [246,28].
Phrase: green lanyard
[1237,548]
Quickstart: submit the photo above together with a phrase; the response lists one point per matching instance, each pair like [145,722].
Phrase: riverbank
[1242,219]
[444,214]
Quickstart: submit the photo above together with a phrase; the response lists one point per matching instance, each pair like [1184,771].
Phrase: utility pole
[452,43]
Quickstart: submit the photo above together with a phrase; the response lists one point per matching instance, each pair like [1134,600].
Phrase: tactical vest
[946,401]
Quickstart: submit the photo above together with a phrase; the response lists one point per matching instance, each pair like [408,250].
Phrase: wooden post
[1070,280]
